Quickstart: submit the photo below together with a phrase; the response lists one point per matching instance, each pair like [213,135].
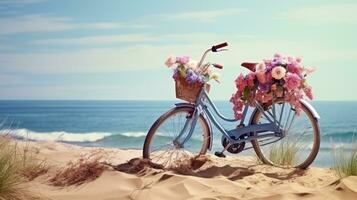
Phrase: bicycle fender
[310,108]
[204,116]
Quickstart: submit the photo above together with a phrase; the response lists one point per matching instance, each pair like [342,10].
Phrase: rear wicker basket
[188,92]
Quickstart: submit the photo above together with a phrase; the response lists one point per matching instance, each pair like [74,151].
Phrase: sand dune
[219,178]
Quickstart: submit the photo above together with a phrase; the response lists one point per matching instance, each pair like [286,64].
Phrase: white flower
[215,76]
[278,72]
[192,64]
[260,67]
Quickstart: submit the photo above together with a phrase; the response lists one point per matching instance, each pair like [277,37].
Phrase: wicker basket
[188,92]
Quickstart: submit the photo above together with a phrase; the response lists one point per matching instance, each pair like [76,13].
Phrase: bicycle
[278,135]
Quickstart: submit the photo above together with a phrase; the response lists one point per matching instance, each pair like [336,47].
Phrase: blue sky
[113,49]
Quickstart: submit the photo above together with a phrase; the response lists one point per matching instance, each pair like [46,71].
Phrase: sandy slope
[229,178]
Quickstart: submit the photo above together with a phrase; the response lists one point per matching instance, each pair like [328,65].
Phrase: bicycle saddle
[249,65]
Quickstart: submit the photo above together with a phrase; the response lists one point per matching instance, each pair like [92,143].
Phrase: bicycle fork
[190,124]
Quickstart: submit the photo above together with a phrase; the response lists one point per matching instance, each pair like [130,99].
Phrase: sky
[116,49]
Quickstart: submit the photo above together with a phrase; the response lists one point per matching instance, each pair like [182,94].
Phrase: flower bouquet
[281,77]
[189,77]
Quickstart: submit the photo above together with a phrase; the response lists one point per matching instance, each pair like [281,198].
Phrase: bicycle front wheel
[160,145]
[300,142]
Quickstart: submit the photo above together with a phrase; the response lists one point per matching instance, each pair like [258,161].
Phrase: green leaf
[182,70]
[246,93]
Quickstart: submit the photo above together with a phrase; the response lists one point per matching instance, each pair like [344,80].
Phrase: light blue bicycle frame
[201,107]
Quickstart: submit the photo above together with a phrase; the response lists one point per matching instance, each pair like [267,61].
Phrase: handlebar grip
[216,47]
[217,66]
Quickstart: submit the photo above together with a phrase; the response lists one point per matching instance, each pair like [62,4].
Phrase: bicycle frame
[202,105]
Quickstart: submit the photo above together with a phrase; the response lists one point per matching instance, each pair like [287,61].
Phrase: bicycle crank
[233,148]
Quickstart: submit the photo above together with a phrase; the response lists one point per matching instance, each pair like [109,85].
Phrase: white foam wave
[134,134]
[56,135]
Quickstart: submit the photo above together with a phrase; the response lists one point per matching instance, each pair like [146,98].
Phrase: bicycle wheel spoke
[292,121]
[281,113]
[158,148]
[161,154]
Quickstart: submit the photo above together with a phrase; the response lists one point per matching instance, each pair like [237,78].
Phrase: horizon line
[147,100]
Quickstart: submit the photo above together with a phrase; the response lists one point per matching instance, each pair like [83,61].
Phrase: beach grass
[345,163]
[284,153]
[13,164]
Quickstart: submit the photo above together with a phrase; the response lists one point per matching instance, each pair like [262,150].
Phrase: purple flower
[192,77]
[263,87]
[175,75]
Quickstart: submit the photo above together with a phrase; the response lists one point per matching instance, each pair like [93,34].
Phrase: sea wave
[56,135]
[86,137]
[134,134]
[345,134]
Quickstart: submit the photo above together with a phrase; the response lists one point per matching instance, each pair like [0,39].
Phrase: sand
[219,178]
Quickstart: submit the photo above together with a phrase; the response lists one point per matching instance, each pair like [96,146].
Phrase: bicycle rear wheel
[300,143]
[159,144]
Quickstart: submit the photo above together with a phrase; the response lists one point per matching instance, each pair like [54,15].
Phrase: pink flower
[268,63]
[260,70]
[309,70]
[250,79]
[292,81]
[269,77]
[294,65]
[240,82]
[294,68]
[260,67]
[183,59]
[278,72]
[170,61]
[308,92]
[298,59]
[237,105]
[277,55]
[261,77]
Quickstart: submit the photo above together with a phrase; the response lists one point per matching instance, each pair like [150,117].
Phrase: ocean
[124,124]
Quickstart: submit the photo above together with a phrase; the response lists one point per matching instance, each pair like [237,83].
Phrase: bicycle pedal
[219,154]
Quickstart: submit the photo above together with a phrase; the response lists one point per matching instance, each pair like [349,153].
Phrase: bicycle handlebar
[216,47]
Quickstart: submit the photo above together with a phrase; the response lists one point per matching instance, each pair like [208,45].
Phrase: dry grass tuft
[137,166]
[87,168]
[35,169]
[187,165]
[32,166]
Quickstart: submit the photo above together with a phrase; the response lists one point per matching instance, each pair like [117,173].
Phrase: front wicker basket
[188,92]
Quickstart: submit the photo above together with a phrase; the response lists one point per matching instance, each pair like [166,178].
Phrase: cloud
[6,5]
[10,3]
[136,38]
[97,40]
[19,2]
[325,14]
[202,16]
[46,23]
[9,79]
[89,60]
